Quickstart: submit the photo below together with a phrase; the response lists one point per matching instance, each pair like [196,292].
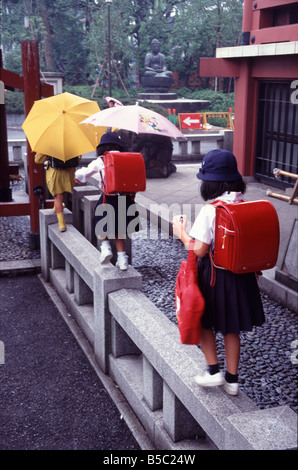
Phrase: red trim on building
[264,22]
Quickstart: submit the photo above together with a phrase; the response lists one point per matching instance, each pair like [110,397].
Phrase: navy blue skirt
[117,216]
[233,304]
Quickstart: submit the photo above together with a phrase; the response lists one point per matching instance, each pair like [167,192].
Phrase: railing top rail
[77,250]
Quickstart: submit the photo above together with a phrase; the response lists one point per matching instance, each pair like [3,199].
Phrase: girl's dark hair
[101,149]
[214,189]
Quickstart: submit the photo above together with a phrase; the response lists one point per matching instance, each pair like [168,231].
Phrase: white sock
[106,243]
[121,254]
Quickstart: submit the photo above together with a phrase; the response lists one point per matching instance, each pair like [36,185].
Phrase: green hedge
[220,102]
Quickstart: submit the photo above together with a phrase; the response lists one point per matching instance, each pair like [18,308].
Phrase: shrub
[219,101]
[14,102]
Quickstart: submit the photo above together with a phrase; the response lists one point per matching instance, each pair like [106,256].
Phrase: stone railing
[190,149]
[17,149]
[138,347]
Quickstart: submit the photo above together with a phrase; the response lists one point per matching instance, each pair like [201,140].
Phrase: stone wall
[140,349]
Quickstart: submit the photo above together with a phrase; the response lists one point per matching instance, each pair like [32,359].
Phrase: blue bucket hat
[111,138]
[219,165]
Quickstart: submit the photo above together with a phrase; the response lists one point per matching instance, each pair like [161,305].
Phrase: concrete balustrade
[139,348]
[190,149]
[17,148]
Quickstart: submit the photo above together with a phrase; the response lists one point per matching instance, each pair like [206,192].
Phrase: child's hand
[179,225]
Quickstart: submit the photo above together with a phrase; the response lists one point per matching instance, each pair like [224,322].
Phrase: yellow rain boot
[61,221]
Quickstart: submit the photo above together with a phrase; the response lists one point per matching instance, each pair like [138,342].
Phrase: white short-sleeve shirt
[83,174]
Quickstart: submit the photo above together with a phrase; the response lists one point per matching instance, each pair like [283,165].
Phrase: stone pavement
[52,395]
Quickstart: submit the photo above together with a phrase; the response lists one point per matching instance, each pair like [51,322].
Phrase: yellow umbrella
[52,126]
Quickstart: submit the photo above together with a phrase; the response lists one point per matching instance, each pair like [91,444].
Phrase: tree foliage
[73,35]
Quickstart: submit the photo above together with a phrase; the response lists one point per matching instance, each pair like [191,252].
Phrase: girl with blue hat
[234,303]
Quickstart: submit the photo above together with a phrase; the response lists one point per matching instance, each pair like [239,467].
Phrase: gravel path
[268,363]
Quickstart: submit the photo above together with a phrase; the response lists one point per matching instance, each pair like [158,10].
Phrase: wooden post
[5,191]
[277,173]
[246,104]
[32,92]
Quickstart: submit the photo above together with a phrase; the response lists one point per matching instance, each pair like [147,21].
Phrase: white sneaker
[122,262]
[208,380]
[231,389]
[106,254]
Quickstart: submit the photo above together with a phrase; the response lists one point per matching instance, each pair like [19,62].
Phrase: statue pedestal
[170,101]
[157,84]
[154,96]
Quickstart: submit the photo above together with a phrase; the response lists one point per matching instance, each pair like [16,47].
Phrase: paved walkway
[51,396]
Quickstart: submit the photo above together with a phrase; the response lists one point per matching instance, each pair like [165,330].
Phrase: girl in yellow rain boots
[60,179]
[58,208]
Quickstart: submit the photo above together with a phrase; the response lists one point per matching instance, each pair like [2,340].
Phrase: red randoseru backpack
[246,236]
[124,172]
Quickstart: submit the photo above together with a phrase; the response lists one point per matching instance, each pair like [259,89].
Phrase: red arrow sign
[190,121]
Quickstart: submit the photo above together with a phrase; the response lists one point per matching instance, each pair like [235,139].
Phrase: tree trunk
[49,59]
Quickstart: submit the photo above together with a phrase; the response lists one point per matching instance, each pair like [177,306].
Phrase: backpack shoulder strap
[213,271]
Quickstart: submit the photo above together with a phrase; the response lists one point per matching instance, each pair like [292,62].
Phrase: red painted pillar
[32,92]
[246,89]
[247,15]
[5,191]
[247,21]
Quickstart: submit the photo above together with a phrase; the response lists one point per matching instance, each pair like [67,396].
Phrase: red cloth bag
[189,300]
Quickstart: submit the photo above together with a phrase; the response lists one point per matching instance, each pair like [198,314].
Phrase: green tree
[73,35]
[199,28]
[59,28]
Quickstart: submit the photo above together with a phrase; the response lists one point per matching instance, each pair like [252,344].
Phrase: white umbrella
[134,118]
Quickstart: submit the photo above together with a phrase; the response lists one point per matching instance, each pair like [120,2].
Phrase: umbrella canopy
[116,102]
[134,118]
[52,126]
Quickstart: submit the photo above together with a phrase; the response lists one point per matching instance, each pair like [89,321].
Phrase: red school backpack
[246,236]
[124,172]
